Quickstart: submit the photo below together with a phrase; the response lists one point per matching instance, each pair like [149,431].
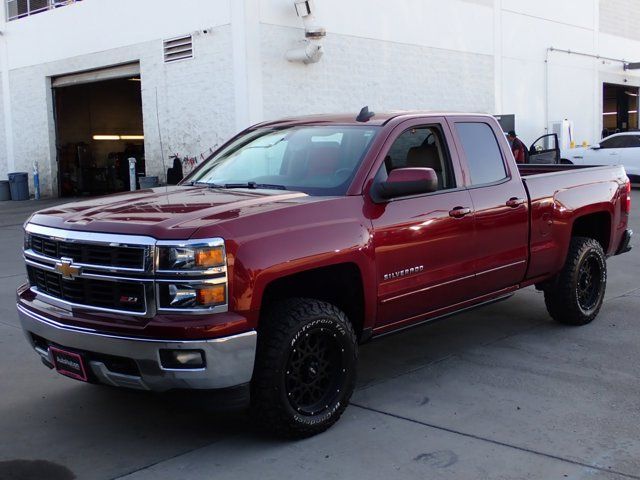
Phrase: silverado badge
[403,273]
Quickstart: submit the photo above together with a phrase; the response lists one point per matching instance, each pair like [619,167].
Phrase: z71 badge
[403,273]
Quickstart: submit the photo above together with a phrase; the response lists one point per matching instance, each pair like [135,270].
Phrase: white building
[74,70]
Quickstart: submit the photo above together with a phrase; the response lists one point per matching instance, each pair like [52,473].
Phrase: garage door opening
[619,109]
[98,128]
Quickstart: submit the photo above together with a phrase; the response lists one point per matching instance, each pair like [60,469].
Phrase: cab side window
[421,147]
[482,152]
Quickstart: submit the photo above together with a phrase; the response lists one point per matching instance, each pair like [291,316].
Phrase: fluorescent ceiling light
[118,137]
[106,137]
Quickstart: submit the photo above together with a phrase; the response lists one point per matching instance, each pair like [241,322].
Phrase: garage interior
[98,128]
[619,108]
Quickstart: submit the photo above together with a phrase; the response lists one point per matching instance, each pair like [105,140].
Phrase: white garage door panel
[120,71]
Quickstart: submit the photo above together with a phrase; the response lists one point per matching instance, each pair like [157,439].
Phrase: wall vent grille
[178,48]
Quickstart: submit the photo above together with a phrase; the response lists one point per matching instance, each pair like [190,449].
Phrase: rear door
[424,244]
[545,150]
[499,202]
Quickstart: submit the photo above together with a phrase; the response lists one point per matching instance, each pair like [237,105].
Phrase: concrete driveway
[501,393]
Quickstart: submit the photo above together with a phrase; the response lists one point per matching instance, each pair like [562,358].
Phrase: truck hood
[169,213]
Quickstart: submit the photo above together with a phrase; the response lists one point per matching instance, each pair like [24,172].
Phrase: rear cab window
[482,152]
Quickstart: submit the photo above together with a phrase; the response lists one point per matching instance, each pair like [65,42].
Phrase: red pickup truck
[297,240]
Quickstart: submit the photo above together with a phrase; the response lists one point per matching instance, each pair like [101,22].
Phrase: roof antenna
[365,115]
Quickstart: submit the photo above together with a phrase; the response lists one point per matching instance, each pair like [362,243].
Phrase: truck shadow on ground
[78,422]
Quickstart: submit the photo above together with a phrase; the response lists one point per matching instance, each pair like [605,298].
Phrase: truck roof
[380,118]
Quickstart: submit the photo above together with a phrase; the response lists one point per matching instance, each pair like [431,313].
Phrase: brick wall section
[195,102]
[384,75]
[620,17]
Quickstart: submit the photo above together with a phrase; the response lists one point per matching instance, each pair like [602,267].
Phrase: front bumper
[228,360]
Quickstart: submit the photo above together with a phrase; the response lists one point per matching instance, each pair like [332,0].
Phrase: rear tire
[305,368]
[575,298]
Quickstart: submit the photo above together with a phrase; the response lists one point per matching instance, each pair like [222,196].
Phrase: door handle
[514,202]
[459,212]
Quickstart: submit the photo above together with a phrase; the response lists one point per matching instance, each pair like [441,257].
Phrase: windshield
[317,160]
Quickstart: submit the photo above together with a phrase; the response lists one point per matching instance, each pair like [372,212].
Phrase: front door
[545,150]
[423,244]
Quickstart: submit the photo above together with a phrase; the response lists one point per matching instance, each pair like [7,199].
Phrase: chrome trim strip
[196,242]
[94,276]
[91,266]
[502,267]
[138,242]
[426,289]
[108,239]
[69,306]
[431,287]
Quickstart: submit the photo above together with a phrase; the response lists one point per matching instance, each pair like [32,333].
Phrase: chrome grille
[123,296]
[108,272]
[89,254]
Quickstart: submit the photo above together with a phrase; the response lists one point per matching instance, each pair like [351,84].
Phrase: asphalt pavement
[501,392]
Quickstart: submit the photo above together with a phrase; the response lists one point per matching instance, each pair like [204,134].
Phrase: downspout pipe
[312,49]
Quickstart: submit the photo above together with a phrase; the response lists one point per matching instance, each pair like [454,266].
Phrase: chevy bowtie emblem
[67,269]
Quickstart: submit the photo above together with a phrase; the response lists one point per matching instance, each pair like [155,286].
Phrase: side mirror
[406,181]
[595,146]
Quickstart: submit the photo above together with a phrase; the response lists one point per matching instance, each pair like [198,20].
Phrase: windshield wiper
[254,185]
[251,185]
[205,184]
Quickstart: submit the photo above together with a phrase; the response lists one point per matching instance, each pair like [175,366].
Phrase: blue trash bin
[19,185]
[5,192]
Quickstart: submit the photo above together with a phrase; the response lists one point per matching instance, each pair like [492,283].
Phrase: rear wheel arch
[595,225]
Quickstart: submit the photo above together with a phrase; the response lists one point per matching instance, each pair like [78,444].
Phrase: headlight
[190,295]
[191,258]
[27,240]
[191,276]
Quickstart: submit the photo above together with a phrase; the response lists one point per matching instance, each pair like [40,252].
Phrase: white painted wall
[472,55]
[93,26]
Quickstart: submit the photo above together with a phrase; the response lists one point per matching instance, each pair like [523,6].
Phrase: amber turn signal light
[209,257]
[211,295]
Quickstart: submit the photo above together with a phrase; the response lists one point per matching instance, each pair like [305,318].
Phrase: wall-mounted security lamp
[304,8]
[632,66]
[312,49]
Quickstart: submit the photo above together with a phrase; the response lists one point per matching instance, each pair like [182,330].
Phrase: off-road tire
[571,299]
[305,347]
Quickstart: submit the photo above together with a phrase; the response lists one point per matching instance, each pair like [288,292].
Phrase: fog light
[182,359]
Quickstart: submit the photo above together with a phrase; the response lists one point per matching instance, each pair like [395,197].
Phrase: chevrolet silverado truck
[260,274]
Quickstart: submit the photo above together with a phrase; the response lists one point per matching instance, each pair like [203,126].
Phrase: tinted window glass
[612,142]
[482,152]
[621,141]
[421,147]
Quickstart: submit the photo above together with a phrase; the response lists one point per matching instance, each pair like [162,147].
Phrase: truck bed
[560,193]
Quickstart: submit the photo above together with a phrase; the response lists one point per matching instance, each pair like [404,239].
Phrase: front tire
[305,368]
[575,298]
